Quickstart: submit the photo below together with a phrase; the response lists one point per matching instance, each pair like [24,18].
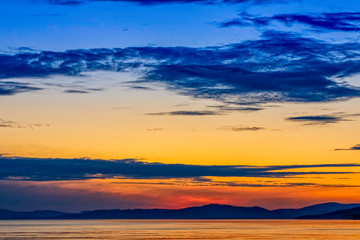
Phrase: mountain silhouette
[44,214]
[353,213]
[211,211]
[317,209]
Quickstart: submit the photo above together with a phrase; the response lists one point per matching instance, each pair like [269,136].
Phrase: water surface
[180,229]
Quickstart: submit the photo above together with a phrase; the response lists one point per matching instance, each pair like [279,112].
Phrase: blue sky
[266,86]
[44,26]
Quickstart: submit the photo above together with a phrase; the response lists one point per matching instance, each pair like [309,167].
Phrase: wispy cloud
[13,124]
[322,119]
[75,91]
[341,21]
[186,113]
[141,88]
[229,108]
[353,148]
[11,88]
[281,67]
[154,129]
[317,119]
[47,169]
[241,128]
[284,184]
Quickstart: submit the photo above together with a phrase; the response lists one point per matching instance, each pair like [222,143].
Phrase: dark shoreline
[323,211]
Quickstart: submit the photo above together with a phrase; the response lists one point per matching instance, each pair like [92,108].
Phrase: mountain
[317,209]
[45,214]
[211,211]
[353,213]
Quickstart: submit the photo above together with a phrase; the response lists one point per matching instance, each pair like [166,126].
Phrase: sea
[180,229]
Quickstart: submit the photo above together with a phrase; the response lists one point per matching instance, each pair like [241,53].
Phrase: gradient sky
[148,103]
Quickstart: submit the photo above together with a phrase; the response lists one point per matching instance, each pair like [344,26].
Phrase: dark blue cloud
[353,148]
[11,87]
[187,113]
[219,110]
[281,67]
[319,119]
[39,169]
[141,88]
[322,119]
[229,108]
[342,21]
[75,91]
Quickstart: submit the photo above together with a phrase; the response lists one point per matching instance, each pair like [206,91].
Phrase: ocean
[180,229]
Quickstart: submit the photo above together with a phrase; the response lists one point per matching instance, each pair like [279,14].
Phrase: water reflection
[184,229]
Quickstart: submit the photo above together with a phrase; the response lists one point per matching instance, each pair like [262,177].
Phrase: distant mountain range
[211,211]
[353,213]
[7,214]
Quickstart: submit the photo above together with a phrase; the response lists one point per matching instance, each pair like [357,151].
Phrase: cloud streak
[317,119]
[13,124]
[281,67]
[11,88]
[46,169]
[241,128]
[155,129]
[229,108]
[353,148]
[75,91]
[341,21]
[186,113]
[322,119]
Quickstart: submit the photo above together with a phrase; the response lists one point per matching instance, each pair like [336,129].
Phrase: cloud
[286,184]
[241,128]
[75,91]
[154,129]
[186,113]
[322,119]
[11,88]
[353,148]
[229,108]
[13,124]
[341,21]
[161,2]
[280,67]
[141,88]
[220,110]
[48,169]
[319,119]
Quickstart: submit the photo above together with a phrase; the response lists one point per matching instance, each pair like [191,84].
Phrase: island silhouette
[331,210]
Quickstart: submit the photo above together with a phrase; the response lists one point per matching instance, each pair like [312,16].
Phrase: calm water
[186,229]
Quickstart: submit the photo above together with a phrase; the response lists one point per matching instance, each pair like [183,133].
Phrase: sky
[174,103]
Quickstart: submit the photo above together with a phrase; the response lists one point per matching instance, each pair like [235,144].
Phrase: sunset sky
[173,103]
